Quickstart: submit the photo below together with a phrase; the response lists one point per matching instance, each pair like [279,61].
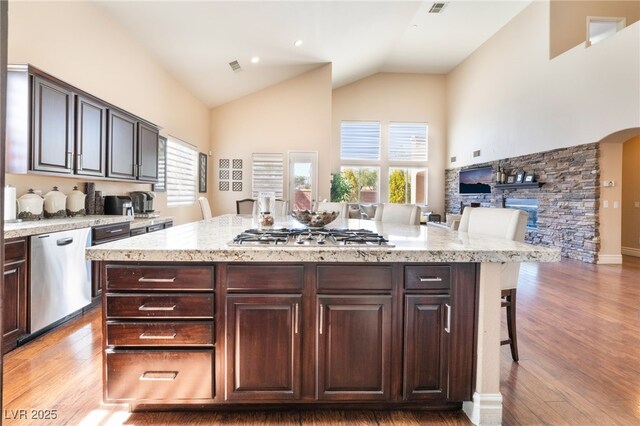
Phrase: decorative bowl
[314,219]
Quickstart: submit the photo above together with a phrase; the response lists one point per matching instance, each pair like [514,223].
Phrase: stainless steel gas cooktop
[310,238]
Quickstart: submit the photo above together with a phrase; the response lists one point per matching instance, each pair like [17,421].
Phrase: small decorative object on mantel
[511,179]
[520,176]
[529,177]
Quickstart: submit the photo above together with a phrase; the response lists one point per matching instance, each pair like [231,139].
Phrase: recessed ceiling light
[298,43]
[255,60]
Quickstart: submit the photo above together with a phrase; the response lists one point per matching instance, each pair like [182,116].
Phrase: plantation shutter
[407,142]
[268,174]
[360,140]
[181,173]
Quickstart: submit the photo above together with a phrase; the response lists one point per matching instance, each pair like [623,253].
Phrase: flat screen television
[476,181]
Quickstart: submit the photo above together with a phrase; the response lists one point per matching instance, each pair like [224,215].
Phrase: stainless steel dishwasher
[60,276]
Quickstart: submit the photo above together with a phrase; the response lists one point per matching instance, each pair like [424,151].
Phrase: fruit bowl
[314,219]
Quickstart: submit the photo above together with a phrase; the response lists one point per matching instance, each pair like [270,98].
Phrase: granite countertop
[35,227]
[207,241]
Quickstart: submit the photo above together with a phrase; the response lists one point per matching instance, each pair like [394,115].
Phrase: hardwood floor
[579,344]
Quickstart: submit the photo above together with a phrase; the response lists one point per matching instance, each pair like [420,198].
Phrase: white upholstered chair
[398,213]
[281,208]
[509,224]
[205,208]
[341,208]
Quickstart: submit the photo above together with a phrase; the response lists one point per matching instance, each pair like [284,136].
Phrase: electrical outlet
[636,204]
[608,183]
[605,204]
[615,204]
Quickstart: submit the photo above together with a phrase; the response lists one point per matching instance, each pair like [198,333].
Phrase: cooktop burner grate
[309,237]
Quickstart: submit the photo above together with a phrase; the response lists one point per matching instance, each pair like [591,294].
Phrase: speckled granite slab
[139,223]
[28,228]
[207,241]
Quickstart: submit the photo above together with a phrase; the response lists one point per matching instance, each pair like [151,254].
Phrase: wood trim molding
[631,251]
[486,409]
[610,259]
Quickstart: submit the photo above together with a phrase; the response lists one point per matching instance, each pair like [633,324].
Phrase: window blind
[407,142]
[360,140]
[181,173]
[267,174]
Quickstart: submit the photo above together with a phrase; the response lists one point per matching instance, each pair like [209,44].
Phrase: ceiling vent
[235,66]
[437,7]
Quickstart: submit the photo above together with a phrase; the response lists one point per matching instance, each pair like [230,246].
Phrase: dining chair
[245,206]
[281,208]
[509,224]
[205,208]
[341,208]
[398,213]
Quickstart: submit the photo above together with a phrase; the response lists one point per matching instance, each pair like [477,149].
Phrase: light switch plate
[636,204]
[605,204]
[608,183]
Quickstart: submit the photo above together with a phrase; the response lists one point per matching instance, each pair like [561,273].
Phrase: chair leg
[510,296]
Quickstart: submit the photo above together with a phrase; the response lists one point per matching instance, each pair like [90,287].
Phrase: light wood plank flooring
[579,336]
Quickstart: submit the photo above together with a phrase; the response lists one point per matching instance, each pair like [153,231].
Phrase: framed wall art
[202,172]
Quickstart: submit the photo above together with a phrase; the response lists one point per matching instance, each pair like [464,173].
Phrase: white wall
[388,97]
[294,115]
[79,43]
[508,98]
[610,203]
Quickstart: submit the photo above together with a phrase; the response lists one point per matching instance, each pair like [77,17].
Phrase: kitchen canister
[30,206]
[55,204]
[9,203]
[75,203]
[90,201]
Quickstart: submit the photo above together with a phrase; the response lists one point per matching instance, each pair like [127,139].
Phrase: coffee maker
[142,201]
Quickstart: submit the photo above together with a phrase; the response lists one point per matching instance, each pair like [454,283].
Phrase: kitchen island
[192,321]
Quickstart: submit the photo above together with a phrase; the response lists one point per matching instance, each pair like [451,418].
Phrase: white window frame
[365,166]
[362,138]
[182,172]
[413,182]
[405,142]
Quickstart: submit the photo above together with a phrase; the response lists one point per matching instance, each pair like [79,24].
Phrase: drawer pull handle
[430,279]
[156,308]
[113,231]
[156,280]
[158,336]
[321,318]
[448,327]
[159,375]
[295,320]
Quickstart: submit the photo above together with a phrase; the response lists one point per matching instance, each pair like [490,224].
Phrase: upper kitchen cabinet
[91,136]
[123,145]
[147,152]
[55,128]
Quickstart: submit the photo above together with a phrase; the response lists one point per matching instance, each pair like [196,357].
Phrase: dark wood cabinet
[354,347]
[91,137]
[52,147]
[426,347]
[14,293]
[147,153]
[263,347]
[122,145]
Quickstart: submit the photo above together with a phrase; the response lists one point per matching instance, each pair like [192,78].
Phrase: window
[360,140]
[407,142]
[268,174]
[599,29]
[407,185]
[181,173]
[363,184]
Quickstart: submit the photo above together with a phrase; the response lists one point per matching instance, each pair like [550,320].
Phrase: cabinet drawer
[265,277]
[427,277]
[160,334]
[154,228]
[15,249]
[156,376]
[160,306]
[168,224]
[350,277]
[138,231]
[120,277]
[110,232]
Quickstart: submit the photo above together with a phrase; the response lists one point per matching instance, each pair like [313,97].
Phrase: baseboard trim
[609,259]
[486,409]
[630,251]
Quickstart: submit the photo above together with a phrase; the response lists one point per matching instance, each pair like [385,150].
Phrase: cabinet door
[147,153]
[426,347]
[122,145]
[52,142]
[91,137]
[14,304]
[354,347]
[263,347]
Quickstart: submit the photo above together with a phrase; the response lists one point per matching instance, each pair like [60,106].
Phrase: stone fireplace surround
[567,202]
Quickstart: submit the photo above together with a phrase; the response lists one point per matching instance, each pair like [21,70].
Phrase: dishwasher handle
[64,241]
